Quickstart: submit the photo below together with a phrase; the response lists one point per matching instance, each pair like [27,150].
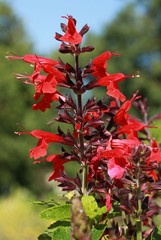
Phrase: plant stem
[85,182]
[138,220]
[81,140]
[125,224]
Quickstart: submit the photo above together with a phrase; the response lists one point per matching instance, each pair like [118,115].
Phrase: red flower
[34,59]
[106,79]
[108,201]
[114,92]
[57,165]
[71,35]
[155,153]
[46,101]
[132,125]
[122,116]
[124,144]
[117,162]
[44,139]
[44,84]
[100,65]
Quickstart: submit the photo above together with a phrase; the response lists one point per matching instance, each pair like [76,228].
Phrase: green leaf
[44,236]
[52,202]
[114,212]
[102,210]
[62,233]
[58,230]
[91,207]
[56,213]
[98,231]
[155,234]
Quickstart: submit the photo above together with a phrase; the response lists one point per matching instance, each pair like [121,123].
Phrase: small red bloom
[71,35]
[122,116]
[117,162]
[57,165]
[40,150]
[44,139]
[46,101]
[108,201]
[100,65]
[34,59]
[44,84]
[155,153]
[114,92]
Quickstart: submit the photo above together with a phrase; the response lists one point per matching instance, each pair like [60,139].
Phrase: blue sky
[42,18]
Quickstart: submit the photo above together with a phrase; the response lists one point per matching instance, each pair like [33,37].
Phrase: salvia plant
[115,193]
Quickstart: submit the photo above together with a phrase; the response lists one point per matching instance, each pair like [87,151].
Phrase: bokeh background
[133,27]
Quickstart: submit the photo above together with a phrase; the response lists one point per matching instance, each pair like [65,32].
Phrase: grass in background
[19,218]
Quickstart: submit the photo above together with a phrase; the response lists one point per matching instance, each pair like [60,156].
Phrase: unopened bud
[79,222]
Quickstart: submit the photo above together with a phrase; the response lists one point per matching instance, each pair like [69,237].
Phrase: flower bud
[79,222]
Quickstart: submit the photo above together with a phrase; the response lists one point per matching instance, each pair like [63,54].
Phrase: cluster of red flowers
[106,140]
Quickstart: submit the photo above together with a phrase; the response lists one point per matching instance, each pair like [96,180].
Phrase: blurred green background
[135,32]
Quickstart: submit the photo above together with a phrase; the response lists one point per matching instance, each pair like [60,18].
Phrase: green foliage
[60,213]
[91,207]
[155,234]
[59,230]
[62,233]
[50,203]
[56,213]
[98,231]
[114,212]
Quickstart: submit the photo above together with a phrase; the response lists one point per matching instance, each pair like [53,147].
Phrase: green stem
[138,220]
[85,182]
[125,224]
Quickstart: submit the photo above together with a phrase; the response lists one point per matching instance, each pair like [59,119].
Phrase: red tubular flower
[44,84]
[40,150]
[117,162]
[124,143]
[100,65]
[34,59]
[46,100]
[132,125]
[106,79]
[116,167]
[122,116]
[155,153]
[108,201]
[114,92]
[44,139]
[71,35]
[57,165]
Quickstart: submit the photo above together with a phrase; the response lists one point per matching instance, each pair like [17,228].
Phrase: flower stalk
[138,220]
[106,141]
